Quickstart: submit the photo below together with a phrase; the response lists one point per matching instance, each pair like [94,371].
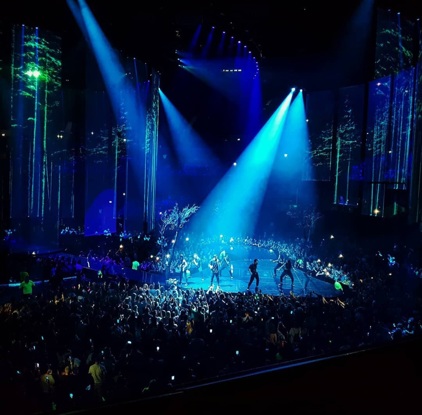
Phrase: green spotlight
[33,73]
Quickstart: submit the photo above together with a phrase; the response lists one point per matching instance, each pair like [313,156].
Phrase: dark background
[291,40]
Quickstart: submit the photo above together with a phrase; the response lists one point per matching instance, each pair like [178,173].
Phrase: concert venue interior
[137,142]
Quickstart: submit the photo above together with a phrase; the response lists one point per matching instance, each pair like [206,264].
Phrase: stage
[238,282]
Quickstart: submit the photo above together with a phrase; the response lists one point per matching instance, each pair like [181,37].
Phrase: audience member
[27,286]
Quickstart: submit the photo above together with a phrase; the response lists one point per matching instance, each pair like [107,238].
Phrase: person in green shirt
[27,286]
[135,263]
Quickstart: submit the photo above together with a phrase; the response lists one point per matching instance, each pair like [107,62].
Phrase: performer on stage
[253,269]
[183,264]
[225,263]
[287,272]
[195,265]
[279,263]
[214,266]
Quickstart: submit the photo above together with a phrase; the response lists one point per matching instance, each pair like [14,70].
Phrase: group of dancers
[220,263]
[217,265]
[281,263]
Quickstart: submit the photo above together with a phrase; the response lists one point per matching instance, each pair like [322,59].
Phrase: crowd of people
[75,341]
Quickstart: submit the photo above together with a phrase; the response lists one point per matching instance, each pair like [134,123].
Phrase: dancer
[183,264]
[287,272]
[225,263]
[195,265]
[279,263]
[215,271]
[253,268]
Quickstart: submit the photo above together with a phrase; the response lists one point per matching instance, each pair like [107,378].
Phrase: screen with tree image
[387,161]
[39,177]
[318,163]
[348,145]
[395,43]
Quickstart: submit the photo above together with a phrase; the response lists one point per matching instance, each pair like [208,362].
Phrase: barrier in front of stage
[141,277]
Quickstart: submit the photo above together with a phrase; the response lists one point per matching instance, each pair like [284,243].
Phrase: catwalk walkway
[303,284]
[238,281]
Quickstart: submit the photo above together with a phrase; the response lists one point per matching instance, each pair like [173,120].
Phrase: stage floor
[303,284]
